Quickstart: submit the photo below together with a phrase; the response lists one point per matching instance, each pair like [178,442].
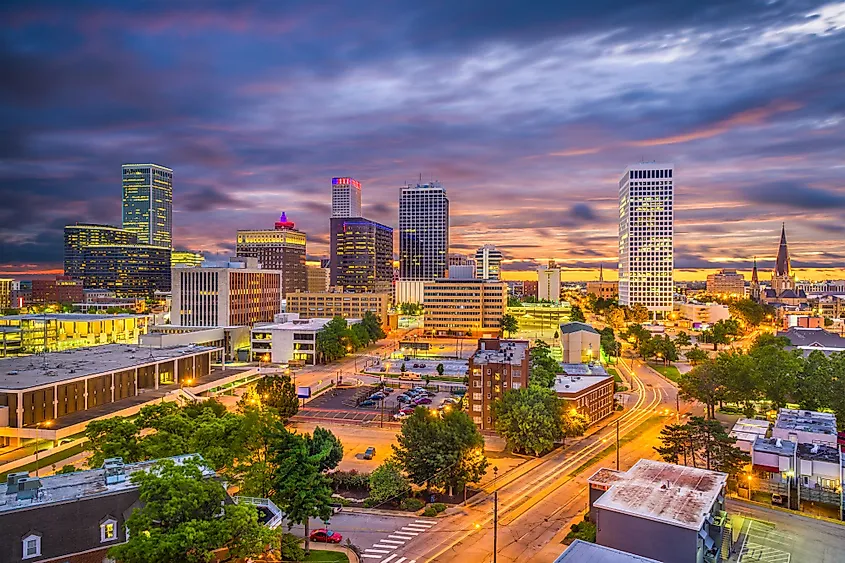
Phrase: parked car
[422,401]
[778,499]
[387,390]
[377,396]
[401,415]
[367,403]
[370,453]
[404,399]
[326,536]
[407,410]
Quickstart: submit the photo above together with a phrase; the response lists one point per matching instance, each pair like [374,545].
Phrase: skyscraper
[362,255]
[346,197]
[488,262]
[423,232]
[646,236]
[148,203]
[281,248]
[548,282]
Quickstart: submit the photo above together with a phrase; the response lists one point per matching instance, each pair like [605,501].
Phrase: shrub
[412,504]
[369,502]
[290,548]
[438,507]
[430,512]
[349,480]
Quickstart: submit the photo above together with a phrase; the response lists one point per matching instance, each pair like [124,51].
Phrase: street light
[46,424]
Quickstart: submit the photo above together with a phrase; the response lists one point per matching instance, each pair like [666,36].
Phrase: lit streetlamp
[44,424]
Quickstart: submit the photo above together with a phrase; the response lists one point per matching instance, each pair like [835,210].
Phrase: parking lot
[765,544]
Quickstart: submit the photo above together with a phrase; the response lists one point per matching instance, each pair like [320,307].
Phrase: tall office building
[346,197]
[488,262]
[148,203]
[281,249]
[548,282]
[106,257]
[361,255]
[646,237]
[423,232]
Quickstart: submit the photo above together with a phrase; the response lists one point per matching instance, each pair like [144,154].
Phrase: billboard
[303,392]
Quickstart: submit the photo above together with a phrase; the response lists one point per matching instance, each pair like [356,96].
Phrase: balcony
[268,513]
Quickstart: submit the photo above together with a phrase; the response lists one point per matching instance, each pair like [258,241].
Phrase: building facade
[548,282]
[726,282]
[281,249]
[361,254]
[346,197]
[646,236]
[6,293]
[61,289]
[704,313]
[587,389]
[225,294]
[464,307]
[294,340]
[338,304]
[318,278]
[186,258]
[148,203]
[423,232]
[497,366]
[488,263]
[78,237]
[579,343]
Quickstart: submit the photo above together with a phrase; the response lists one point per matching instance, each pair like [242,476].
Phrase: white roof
[664,492]
[577,383]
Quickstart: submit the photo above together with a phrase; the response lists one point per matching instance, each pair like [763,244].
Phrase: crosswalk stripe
[397,537]
[409,535]
[368,556]
[383,552]
[384,546]
[429,522]
[407,530]
[389,558]
[418,527]
[401,560]
[398,542]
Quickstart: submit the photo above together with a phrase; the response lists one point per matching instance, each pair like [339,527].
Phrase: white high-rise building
[346,197]
[423,232]
[488,262]
[646,236]
[548,282]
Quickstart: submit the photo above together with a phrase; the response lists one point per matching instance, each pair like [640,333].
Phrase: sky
[528,113]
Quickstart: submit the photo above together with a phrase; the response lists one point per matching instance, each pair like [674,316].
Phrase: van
[370,453]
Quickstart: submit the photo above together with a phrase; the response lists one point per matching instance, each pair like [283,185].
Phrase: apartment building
[338,304]
[726,282]
[586,388]
[497,366]
[464,307]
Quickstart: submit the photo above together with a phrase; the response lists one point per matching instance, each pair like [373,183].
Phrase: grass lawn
[327,556]
[615,374]
[48,460]
[669,372]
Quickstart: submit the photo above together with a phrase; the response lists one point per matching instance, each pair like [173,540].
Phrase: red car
[422,401]
[326,536]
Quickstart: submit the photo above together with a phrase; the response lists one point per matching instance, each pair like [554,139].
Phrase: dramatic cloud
[528,116]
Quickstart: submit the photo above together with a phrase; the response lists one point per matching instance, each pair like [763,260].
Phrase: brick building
[497,366]
[61,289]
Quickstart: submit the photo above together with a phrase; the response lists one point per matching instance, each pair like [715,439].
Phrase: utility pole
[677,407]
[617,444]
[382,413]
[495,523]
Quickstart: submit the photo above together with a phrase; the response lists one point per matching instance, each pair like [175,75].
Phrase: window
[31,546]
[108,530]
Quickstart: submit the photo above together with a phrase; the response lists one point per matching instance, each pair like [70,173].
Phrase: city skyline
[530,127]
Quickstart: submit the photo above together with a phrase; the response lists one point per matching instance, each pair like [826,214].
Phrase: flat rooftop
[29,371]
[673,494]
[748,429]
[774,446]
[509,352]
[71,317]
[583,369]
[581,551]
[605,476]
[806,421]
[820,452]
[300,324]
[81,484]
[577,383]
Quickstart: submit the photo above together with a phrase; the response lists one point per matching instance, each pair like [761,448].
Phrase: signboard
[303,392]
[415,345]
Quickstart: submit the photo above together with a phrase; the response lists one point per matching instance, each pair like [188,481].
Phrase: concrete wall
[669,544]
[575,346]
[802,437]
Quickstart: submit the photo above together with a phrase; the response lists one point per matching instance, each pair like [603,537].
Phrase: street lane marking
[418,527]
[389,558]
[383,552]
[401,560]
[429,522]
[397,542]
[384,546]
[368,556]
[400,537]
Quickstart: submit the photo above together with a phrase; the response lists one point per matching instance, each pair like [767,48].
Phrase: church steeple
[601,272]
[754,278]
[782,265]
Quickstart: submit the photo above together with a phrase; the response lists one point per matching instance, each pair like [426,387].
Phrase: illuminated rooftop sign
[346,181]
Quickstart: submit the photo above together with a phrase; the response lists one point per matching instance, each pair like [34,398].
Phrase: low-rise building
[540,319]
[464,307]
[318,278]
[6,293]
[73,517]
[329,304]
[747,430]
[802,321]
[704,313]
[820,468]
[671,513]
[586,388]
[805,427]
[809,339]
[294,340]
[603,289]
[61,289]
[579,343]
[496,367]
[581,551]
[234,340]
[727,283]
[62,386]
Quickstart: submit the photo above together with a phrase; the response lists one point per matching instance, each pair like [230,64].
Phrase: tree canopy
[509,324]
[279,393]
[338,338]
[577,315]
[529,419]
[388,482]
[543,367]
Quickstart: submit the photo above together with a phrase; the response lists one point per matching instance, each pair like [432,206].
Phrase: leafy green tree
[665,349]
[836,396]
[444,452]
[387,482]
[543,367]
[615,317]
[682,339]
[113,437]
[777,369]
[674,444]
[696,355]
[704,384]
[279,393]
[815,381]
[183,519]
[403,368]
[529,419]
[69,468]
[639,313]
[715,447]
[298,487]
[741,379]
[330,344]
[410,309]
[749,311]
[324,446]
[440,369]
[636,335]
[514,301]
[509,324]
[577,315]
[572,423]
[372,323]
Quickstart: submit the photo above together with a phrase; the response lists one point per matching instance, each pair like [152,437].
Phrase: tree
[514,301]
[748,311]
[442,451]
[615,317]
[279,393]
[529,419]
[674,444]
[742,385]
[556,335]
[299,488]
[639,313]
[682,339]
[636,335]
[572,423]
[440,369]
[404,368]
[703,384]
[576,315]
[410,309]
[330,340]
[68,468]
[696,355]
[372,324]
[665,349]
[543,367]
[183,518]
[387,482]
[325,447]
[509,324]
[776,368]
[113,437]
[715,448]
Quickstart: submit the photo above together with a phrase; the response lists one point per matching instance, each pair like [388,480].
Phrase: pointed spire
[601,271]
[782,265]
[754,278]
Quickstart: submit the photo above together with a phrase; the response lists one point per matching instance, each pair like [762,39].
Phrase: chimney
[114,470]
[12,480]
[28,488]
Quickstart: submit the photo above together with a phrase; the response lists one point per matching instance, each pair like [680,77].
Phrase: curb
[786,510]
[353,557]
[380,512]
